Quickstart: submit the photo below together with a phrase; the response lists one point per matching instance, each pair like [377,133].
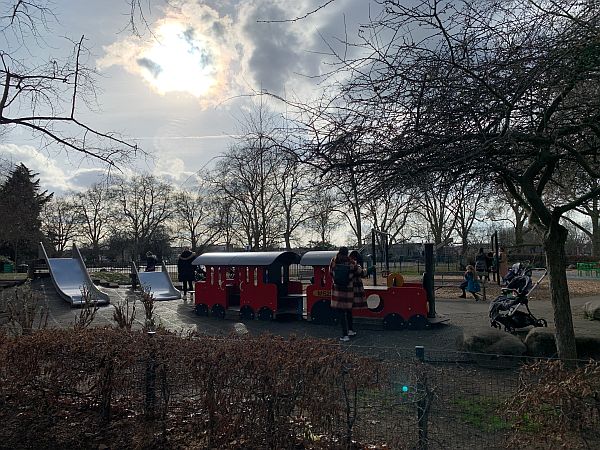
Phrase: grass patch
[112,277]
[13,276]
[482,413]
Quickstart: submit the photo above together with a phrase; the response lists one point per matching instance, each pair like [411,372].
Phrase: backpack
[341,275]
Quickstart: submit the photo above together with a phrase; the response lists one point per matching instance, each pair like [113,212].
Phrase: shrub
[556,406]
[83,388]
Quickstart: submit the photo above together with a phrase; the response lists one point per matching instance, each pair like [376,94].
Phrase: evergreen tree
[21,203]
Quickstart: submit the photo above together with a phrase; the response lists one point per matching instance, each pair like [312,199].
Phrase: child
[470,283]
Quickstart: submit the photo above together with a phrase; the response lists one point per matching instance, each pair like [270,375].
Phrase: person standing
[481,263]
[489,260]
[357,283]
[185,270]
[502,263]
[151,262]
[344,271]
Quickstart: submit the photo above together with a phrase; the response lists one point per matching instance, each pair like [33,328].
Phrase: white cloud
[221,51]
[192,49]
[54,178]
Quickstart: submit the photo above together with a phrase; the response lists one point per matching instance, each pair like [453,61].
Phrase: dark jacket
[185,269]
[151,262]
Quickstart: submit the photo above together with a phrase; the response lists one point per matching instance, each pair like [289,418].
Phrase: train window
[374,303]
[255,276]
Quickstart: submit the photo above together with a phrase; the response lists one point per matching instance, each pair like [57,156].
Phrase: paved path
[178,315]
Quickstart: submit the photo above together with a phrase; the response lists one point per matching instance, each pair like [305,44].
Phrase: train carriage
[398,305]
[253,284]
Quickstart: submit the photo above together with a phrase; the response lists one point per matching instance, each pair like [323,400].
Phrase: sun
[180,60]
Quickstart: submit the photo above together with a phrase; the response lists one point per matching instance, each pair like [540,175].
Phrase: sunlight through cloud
[191,50]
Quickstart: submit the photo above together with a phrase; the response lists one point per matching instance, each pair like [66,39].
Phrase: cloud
[192,49]
[53,177]
[216,50]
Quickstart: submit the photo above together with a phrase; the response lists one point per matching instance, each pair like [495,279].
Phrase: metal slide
[69,276]
[158,283]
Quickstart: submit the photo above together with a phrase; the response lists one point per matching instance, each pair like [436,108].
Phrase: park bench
[588,268]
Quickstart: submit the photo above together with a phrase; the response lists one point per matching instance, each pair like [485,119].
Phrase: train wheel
[393,321]
[201,310]
[417,322]
[322,314]
[246,313]
[265,314]
[218,311]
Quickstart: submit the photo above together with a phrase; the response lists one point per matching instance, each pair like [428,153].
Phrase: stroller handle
[538,281]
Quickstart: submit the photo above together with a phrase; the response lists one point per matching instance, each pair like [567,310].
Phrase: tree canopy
[21,202]
[501,91]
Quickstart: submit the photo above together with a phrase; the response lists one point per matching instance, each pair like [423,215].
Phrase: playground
[179,316]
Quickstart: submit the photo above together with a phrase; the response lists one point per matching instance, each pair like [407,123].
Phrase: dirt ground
[578,287]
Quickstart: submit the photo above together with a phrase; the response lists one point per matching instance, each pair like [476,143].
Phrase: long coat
[185,269]
[351,296]
[503,264]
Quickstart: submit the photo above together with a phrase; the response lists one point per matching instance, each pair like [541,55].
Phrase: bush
[124,389]
[557,407]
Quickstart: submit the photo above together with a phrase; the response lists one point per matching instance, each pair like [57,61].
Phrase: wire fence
[135,390]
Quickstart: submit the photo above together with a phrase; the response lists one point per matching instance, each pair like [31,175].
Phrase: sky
[180,90]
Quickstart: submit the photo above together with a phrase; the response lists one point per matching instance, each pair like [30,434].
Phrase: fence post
[423,401]
[150,379]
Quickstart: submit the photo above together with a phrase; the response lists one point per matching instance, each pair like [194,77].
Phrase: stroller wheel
[542,323]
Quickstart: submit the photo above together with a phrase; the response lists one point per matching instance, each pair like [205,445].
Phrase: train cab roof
[246,258]
[317,258]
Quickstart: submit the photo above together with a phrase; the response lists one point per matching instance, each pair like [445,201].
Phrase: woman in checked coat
[352,295]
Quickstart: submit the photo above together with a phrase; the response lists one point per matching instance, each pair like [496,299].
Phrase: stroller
[516,270]
[506,310]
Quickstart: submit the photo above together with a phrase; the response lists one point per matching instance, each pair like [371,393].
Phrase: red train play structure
[258,285]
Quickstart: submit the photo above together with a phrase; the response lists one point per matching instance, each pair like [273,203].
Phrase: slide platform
[69,275]
[158,283]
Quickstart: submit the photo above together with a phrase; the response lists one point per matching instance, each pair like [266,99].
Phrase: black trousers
[346,320]
[188,285]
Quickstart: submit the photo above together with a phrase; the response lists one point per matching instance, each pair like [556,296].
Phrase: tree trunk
[556,260]
[519,239]
[288,242]
[96,251]
[595,235]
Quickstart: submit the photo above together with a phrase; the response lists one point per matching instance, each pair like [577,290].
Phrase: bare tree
[44,97]
[508,209]
[247,175]
[324,218]
[195,217]
[293,188]
[145,205]
[96,209]
[437,206]
[60,222]
[480,86]
[389,213]
[469,204]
